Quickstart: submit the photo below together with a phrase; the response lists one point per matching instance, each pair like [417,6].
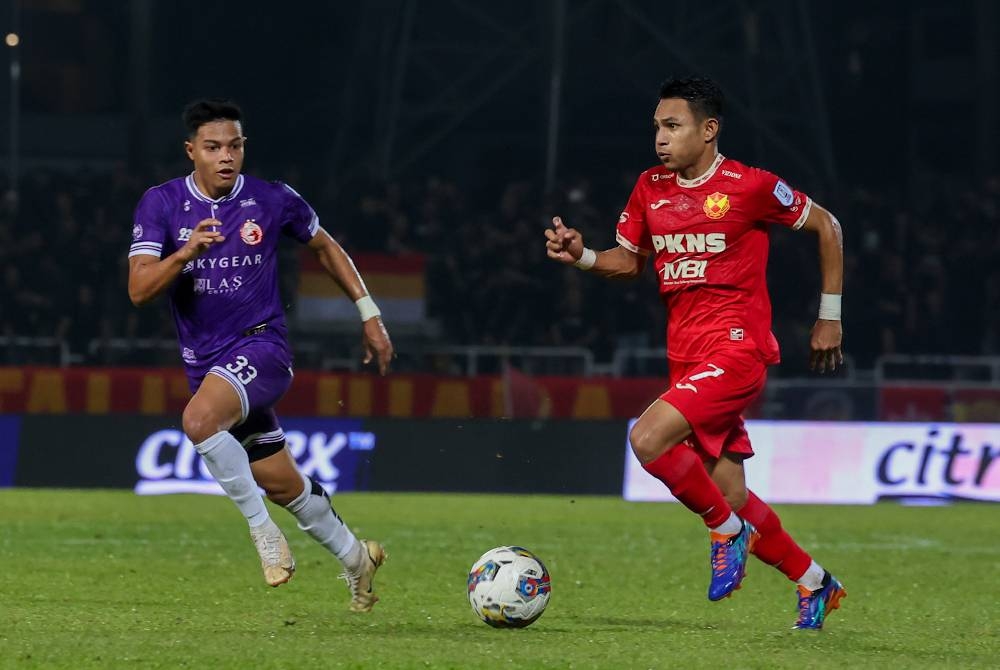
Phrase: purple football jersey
[233,286]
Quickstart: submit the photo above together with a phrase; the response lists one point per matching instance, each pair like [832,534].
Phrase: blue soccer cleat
[814,606]
[729,560]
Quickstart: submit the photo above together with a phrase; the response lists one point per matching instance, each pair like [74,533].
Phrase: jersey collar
[198,195]
[698,181]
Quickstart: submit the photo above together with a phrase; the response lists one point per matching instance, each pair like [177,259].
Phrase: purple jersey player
[209,242]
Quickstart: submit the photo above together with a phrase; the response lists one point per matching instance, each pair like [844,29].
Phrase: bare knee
[200,422]
[214,408]
[648,443]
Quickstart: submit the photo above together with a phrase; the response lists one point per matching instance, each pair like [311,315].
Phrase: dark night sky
[890,74]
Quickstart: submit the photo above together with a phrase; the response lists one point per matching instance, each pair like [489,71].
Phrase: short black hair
[703,95]
[199,112]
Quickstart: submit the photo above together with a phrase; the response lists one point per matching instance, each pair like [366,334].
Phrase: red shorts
[712,395]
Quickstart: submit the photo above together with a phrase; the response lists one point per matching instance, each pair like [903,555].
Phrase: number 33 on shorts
[714,371]
[242,369]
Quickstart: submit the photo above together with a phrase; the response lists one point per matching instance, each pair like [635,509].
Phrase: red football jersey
[708,238]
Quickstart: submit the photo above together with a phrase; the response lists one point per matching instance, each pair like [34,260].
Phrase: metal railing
[95,347]
[972,370]
[332,352]
[456,360]
[476,360]
[131,351]
[17,350]
[641,361]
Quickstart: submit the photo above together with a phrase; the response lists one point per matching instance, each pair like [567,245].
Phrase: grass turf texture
[108,579]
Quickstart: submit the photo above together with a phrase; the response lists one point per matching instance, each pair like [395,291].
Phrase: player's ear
[189,149]
[711,129]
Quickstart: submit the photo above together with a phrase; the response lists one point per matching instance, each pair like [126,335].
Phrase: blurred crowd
[921,270]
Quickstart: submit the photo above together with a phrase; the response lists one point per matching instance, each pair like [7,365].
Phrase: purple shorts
[259,368]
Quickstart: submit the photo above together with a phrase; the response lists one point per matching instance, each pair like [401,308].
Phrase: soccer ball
[509,587]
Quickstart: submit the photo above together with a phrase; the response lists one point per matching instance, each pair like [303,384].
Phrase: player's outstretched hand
[377,344]
[204,235]
[563,244]
[825,343]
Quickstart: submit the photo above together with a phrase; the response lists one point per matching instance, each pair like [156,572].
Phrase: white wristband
[367,307]
[587,259]
[829,306]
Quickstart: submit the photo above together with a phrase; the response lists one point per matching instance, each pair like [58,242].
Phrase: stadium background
[436,140]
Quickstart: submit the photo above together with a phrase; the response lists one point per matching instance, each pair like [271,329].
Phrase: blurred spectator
[921,275]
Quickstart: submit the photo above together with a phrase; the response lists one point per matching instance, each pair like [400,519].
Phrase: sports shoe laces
[720,556]
[269,547]
[352,580]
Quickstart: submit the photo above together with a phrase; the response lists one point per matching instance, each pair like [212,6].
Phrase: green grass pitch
[110,580]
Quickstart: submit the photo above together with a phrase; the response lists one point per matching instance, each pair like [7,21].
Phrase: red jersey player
[703,219]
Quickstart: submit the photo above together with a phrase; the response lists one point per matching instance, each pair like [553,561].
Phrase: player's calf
[315,515]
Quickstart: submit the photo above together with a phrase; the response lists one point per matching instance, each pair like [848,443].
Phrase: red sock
[685,475]
[774,546]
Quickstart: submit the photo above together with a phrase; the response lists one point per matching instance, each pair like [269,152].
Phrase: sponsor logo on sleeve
[623,218]
[136,231]
[783,193]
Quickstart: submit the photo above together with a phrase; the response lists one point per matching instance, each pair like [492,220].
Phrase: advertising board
[857,463]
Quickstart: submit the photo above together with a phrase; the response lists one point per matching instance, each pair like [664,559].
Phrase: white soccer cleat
[275,556]
[362,582]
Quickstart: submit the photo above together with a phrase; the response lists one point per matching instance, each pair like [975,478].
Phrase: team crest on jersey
[251,233]
[136,231]
[716,205]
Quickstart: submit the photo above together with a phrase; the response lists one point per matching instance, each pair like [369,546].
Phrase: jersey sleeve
[774,201]
[149,225]
[632,232]
[298,219]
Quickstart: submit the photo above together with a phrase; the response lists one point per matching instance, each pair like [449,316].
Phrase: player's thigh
[214,407]
[659,428]
[278,475]
[259,370]
[712,395]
